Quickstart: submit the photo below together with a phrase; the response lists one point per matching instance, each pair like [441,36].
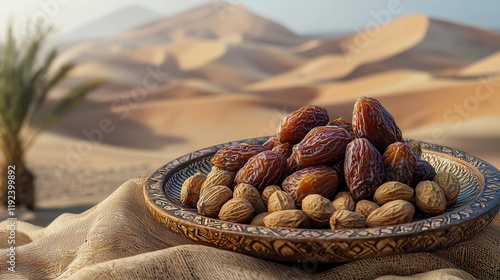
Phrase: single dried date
[339,167]
[423,172]
[321,180]
[322,145]
[371,120]
[363,169]
[284,148]
[264,169]
[399,163]
[271,142]
[293,166]
[232,158]
[298,123]
[344,124]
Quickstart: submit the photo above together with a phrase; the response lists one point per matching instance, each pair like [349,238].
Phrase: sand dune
[485,66]
[203,78]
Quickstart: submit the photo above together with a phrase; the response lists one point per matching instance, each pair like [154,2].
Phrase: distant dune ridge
[197,79]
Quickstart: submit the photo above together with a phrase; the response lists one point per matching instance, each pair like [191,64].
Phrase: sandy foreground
[196,80]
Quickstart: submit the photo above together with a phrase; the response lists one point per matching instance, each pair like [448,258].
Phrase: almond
[237,210]
[268,191]
[393,190]
[344,201]
[250,193]
[392,213]
[190,191]
[212,200]
[346,219]
[430,198]
[450,186]
[287,218]
[280,200]
[365,207]
[218,177]
[318,208]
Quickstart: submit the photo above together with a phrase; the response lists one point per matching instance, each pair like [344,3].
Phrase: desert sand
[197,79]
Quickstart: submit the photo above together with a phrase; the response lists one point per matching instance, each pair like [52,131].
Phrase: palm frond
[74,98]
[24,87]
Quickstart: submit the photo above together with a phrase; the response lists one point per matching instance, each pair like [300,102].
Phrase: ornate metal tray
[478,203]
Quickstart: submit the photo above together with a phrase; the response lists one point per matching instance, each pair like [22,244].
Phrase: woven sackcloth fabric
[119,239]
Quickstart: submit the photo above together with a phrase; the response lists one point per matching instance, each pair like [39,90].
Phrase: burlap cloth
[119,239]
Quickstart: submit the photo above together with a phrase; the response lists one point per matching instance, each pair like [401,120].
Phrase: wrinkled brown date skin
[321,180]
[292,165]
[232,158]
[298,123]
[264,169]
[363,169]
[371,120]
[344,124]
[399,163]
[423,172]
[284,148]
[322,145]
[339,167]
[271,142]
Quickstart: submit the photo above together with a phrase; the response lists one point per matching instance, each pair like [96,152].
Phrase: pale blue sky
[302,16]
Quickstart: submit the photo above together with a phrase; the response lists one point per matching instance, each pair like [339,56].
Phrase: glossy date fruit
[322,145]
[399,163]
[298,123]
[321,180]
[363,169]
[344,124]
[264,169]
[232,158]
[371,120]
[339,167]
[293,166]
[271,142]
[423,172]
[284,148]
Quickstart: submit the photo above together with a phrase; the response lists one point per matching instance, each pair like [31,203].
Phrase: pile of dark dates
[321,170]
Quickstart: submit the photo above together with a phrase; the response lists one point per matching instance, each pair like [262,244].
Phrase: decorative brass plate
[478,203]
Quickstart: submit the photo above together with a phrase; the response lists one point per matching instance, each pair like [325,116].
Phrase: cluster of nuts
[321,173]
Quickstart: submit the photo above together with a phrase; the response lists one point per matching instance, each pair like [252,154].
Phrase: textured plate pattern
[477,204]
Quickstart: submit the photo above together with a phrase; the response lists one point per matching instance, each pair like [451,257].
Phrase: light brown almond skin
[190,191]
[393,190]
[318,208]
[430,198]
[212,200]
[392,213]
[450,186]
[251,194]
[268,191]
[280,200]
[345,219]
[258,220]
[365,207]
[344,201]
[237,210]
[288,219]
[218,177]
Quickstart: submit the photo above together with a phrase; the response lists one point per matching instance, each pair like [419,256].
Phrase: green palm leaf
[24,87]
